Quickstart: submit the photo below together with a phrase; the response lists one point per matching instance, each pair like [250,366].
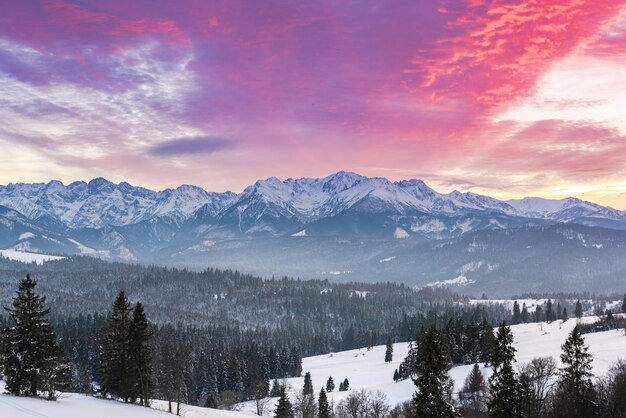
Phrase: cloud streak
[193,145]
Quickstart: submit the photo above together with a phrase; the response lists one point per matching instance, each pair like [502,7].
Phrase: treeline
[361,311]
[462,343]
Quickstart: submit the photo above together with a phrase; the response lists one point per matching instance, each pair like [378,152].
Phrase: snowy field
[25,257]
[367,369]
[72,405]
[364,370]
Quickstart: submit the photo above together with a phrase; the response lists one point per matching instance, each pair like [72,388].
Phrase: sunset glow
[502,98]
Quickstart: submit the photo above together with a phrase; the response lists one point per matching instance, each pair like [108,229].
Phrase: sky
[506,98]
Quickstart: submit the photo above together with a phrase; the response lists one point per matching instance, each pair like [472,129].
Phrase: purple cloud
[190,145]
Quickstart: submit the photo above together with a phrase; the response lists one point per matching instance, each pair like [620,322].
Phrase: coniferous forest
[143,344]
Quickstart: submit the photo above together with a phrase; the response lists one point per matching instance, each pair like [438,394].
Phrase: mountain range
[288,227]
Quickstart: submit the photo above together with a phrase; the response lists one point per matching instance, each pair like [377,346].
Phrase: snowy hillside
[367,370]
[71,405]
[25,257]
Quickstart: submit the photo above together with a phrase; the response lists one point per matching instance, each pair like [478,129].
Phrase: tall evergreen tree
[517,314]
[323,409]
[330,384]
[275,392]
[389,350]
[140,352]
[33,360]
[308,384]
[503,384]
[115,362]
[474,394]
[575,389]
[549,311]
[525,316]
[578,309]
[284,409]
[432,377]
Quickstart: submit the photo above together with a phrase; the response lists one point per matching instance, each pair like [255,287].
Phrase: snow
[26,235]
[26,257]
[300,233]
[400,233]
[71,405]
[386,260]
[458,281]
[367,370]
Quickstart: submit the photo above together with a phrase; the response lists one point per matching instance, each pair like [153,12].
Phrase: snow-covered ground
[71,405]
[364,370]
[367,369]
[26,257]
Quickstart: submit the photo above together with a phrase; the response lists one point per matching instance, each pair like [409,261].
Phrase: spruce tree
[115,361]
[323,409]
[517,315]
[564,316]
[575,389]
[346,384]
[275,392]
[33,360]
[549,311]
[396,376]
[525,316]
[308,385]
[578,310]
[330,384]
[474,393]
[284,409]
[389,351]
[503,384]
[140,352]
[432,377]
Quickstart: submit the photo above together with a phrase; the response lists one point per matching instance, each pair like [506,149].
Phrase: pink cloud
[336,85]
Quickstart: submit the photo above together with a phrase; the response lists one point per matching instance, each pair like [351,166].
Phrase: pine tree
[275,392]
[517,315]
[330,384]
[341,389]
[538,314]
[564,316]
[576,390]
[140,353]
[525,316]
[115,361]
[503,384]
[432,377]
[396,376]
[346,384]
[284,409]
[549,311]
[578,310]
[389,351]
[33,360]
[323,409]
[474,393]
[308,385]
